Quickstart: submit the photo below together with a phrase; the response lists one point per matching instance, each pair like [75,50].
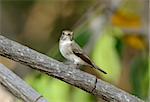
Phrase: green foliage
[56,90]
[106,56]
[83,37]
[51,89]
[82,96]
[140,83]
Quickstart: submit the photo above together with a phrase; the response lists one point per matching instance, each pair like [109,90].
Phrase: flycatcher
[72,51]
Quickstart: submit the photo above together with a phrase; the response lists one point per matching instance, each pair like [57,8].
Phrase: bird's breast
[66,51]
[65,48]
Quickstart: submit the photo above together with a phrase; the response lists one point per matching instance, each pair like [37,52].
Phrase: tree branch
[18,87]
[75,77]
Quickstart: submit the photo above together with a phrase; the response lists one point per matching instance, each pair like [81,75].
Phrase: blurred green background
[114,33]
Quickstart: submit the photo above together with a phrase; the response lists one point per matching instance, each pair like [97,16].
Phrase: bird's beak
[71,38]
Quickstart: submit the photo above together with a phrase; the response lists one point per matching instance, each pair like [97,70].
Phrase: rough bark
[54,68]
[18,87]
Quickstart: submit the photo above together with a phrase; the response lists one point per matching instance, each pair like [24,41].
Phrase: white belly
[66,51]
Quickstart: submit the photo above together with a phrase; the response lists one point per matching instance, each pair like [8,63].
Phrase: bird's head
[66,35]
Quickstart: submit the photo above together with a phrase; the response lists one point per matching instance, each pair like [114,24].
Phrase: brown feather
[87,60]
[84,58]
[79,52]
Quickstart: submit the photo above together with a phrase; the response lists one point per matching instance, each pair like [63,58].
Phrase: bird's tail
[96,67]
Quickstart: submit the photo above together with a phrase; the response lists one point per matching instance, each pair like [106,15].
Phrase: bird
[73,52]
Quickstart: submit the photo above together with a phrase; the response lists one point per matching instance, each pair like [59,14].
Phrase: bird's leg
[72,65]
[77,66]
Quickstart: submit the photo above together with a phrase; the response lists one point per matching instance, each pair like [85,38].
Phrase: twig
[75,77]
[18,87]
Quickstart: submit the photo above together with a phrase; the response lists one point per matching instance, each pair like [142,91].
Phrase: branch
[75,77]
[18,87]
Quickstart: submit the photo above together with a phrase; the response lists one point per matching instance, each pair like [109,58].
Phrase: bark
[66,73]
[18,87]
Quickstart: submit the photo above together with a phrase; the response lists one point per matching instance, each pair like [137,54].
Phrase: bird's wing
[80,53]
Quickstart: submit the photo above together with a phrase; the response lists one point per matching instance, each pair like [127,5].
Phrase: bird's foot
[72,65]
[77,66]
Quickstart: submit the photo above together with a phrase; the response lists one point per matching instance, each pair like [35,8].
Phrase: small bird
[72,51]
